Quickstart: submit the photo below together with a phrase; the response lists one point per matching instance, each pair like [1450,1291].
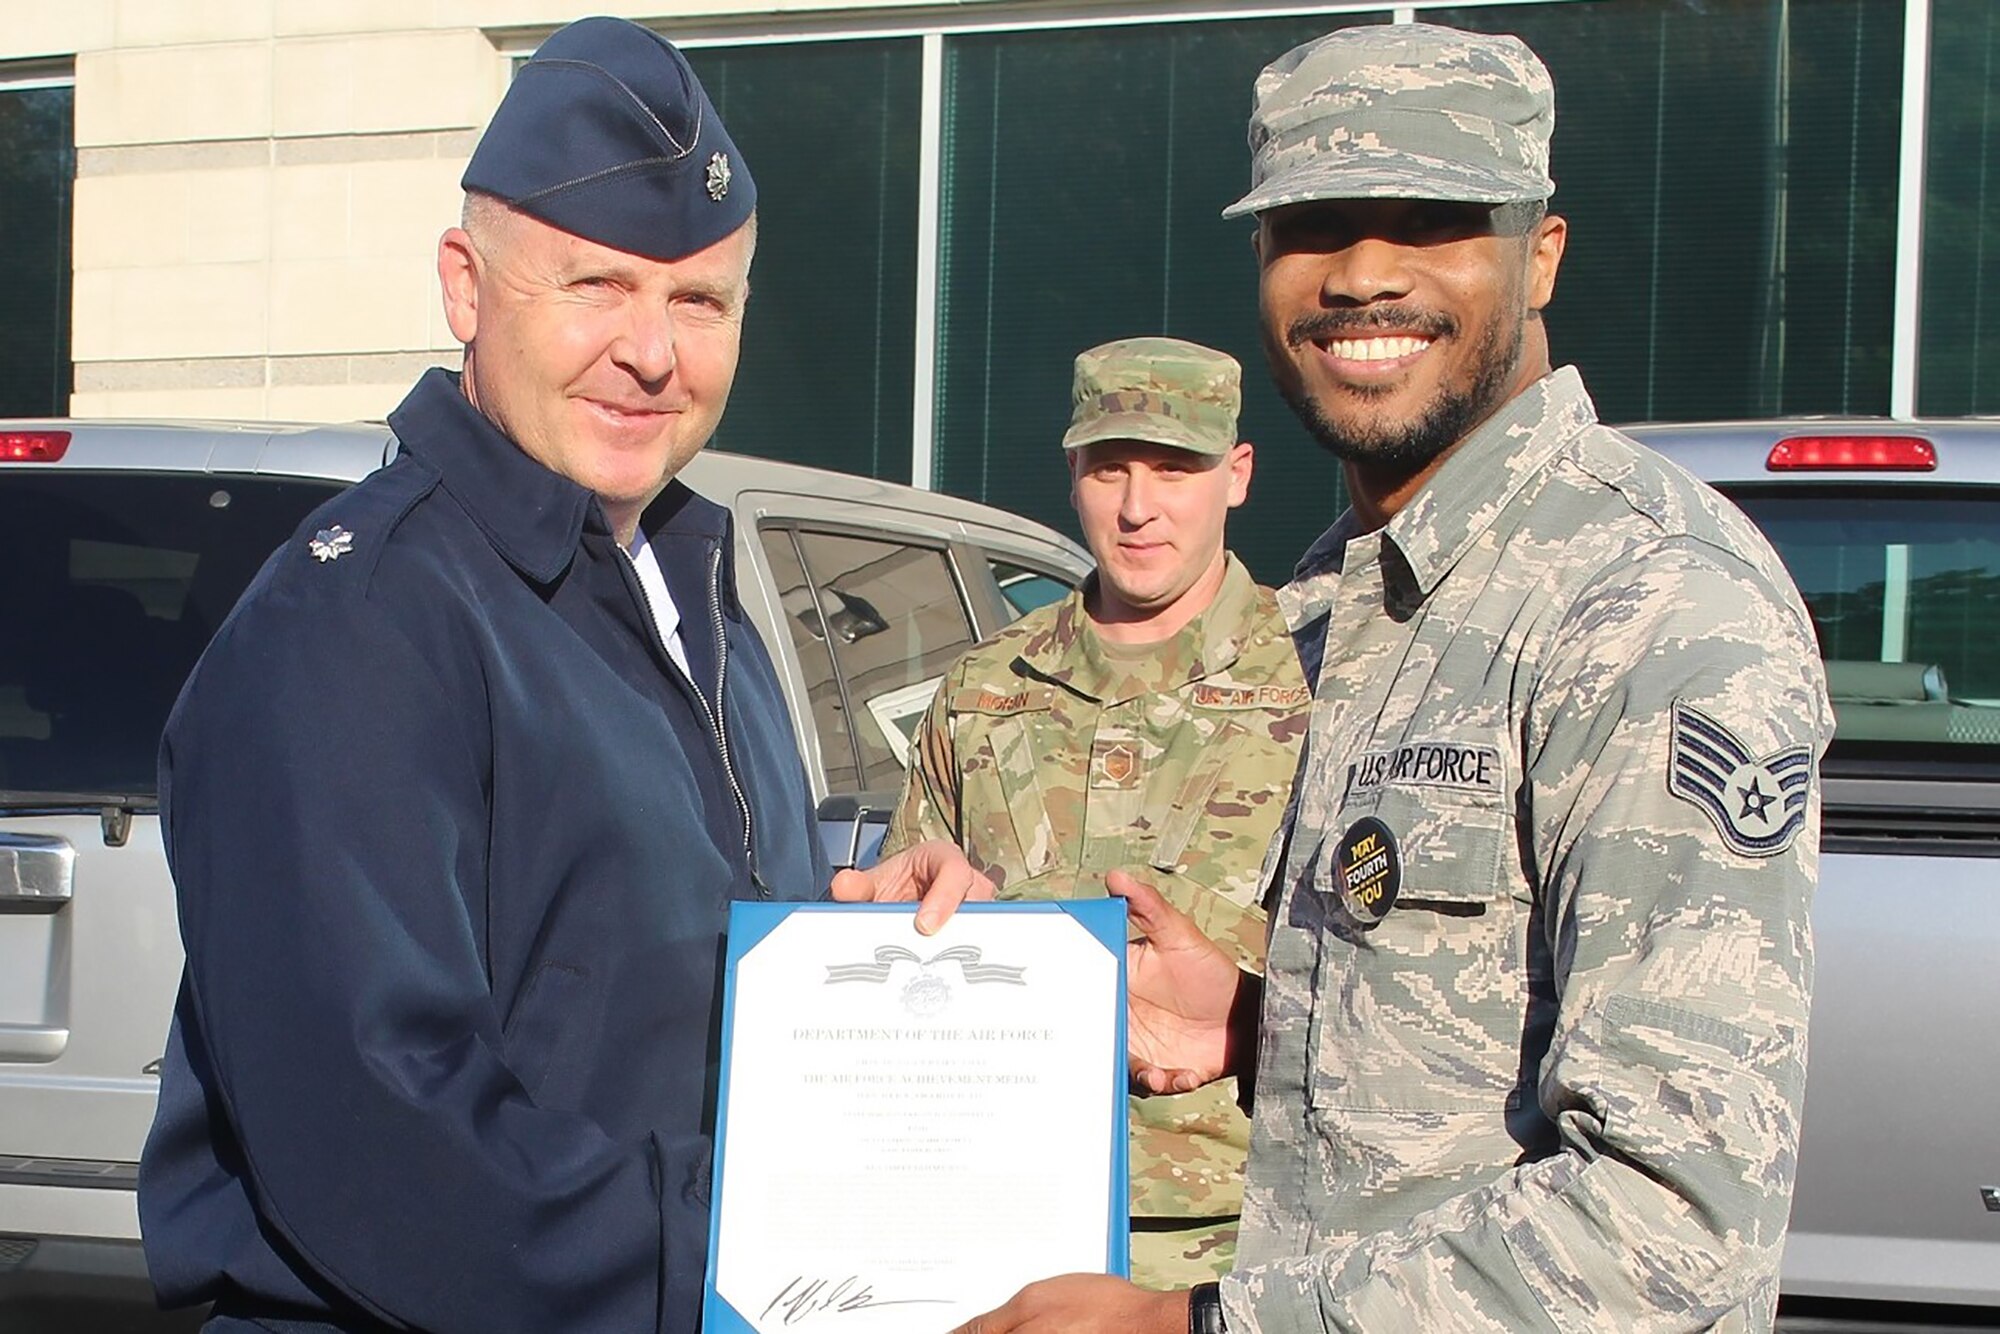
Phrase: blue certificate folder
[750,923]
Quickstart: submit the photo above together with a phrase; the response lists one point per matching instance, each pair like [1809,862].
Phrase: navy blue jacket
[454,844]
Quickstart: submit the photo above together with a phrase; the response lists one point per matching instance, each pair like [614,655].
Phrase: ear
[1073,460]
[1545,253]
[1240,463]
[458,266]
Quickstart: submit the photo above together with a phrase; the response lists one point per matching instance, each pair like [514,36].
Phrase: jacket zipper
[711,715]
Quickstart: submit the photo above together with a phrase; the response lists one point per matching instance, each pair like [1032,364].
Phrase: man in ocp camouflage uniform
[1531,1050]
[1154,715]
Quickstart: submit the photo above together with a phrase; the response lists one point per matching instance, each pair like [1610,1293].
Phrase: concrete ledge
[131,159]
[371,368]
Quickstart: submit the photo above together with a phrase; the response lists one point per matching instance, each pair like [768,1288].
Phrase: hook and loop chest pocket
[1419,995]
[1229,753]
[1015,778]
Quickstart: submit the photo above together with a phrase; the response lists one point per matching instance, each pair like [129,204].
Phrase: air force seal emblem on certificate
[1757,805]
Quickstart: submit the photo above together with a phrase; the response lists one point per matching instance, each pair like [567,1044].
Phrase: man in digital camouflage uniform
[1153,716]
[1532,1040]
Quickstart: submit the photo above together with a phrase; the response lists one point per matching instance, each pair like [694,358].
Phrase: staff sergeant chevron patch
[1757,805]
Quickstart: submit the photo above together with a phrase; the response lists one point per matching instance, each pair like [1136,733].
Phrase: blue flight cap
[607,134]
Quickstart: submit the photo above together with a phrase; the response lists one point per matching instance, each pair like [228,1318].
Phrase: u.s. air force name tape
[1428,763]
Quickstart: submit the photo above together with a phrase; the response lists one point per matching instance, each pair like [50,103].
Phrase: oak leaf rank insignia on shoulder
[331,544]
[1758,805]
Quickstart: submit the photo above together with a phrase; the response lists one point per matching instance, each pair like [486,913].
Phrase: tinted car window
[1026,589]
[893,619]
[115,582]
[1904,592]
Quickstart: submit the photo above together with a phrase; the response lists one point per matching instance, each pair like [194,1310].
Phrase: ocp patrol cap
[1401,111]
[607,134]
[1165,391]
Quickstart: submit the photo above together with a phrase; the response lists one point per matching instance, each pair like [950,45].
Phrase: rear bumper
[1930,1270]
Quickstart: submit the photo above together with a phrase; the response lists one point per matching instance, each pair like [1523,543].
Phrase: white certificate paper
[911,1127]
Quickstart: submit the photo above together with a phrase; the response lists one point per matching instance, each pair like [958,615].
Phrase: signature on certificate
[803,1297]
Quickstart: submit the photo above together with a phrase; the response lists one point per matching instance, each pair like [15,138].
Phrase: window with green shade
[1084,174]
[37,175]
[1958,371]
[1728,170]
[830,131]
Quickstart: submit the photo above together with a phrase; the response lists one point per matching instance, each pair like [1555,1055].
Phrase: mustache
[1322,324]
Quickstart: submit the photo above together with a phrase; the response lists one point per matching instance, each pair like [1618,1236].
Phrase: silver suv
[125,545]
[1892,532]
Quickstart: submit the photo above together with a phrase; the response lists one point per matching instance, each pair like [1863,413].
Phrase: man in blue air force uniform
[457,801]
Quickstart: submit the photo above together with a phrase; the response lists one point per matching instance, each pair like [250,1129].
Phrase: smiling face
[1393,327]
[609,368]
[1153,516]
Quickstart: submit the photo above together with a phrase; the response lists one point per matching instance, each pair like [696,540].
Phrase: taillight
[32,446]
[1879,453]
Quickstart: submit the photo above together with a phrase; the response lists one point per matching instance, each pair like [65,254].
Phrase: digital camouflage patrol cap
[1401,111]
[607,134]
[1161,390]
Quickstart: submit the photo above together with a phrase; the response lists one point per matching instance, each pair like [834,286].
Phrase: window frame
[36,75]
[934,29]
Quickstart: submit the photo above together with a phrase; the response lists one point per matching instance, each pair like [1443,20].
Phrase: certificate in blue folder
[913,1127]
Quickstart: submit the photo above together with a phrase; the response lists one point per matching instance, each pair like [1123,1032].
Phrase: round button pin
[1370,870]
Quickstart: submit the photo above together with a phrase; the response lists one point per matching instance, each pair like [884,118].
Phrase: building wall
[1776,207]
[261,185]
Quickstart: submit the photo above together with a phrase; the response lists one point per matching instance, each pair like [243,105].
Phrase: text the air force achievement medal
[1370,870]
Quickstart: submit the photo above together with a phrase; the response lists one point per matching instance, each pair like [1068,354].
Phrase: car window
[892,618]
[1904,593]
[1024,589]
[807,629]
[115,582]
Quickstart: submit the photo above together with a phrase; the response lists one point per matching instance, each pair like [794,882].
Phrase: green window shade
[37,172]
[830,130]
[1728,169]
[1959,370]
[1084,172]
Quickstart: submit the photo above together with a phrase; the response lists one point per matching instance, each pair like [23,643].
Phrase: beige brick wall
[261,185]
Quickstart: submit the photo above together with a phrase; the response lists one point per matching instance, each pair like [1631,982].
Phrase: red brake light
[32,446]
[1880,453]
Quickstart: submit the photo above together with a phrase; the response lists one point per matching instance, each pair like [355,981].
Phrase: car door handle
[32,1044]
[37,873]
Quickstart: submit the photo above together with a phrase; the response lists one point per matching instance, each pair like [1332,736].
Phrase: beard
[1444,421]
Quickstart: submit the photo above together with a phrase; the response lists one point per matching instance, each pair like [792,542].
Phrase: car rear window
[1904,591]
[115,583]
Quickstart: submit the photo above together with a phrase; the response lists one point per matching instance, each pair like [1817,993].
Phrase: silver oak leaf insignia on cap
[1757,805]
[331,544]
[718,176]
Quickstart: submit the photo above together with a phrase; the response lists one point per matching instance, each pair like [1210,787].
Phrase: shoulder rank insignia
[331,543]
[1757,805]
